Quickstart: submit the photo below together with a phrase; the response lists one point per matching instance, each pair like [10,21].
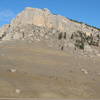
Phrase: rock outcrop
[40,24]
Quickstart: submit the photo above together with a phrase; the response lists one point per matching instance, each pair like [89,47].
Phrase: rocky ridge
[34,24]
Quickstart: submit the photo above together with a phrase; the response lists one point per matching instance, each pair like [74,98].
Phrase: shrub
[79,44]
[64,35]
[60,36]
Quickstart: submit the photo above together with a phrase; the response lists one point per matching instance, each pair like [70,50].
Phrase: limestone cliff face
[41,17]
[44,18]
[41,24]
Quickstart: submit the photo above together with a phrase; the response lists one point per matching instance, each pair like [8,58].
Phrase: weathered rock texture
[60,32]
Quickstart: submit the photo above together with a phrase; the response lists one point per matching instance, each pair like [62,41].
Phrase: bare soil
[44,72]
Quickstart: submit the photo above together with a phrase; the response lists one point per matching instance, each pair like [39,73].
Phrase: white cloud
[6,15]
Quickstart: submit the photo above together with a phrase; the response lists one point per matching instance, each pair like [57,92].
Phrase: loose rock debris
[12,70]
[84,71]
[18,91]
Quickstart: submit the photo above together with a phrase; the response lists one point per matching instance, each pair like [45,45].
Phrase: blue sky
[87,11]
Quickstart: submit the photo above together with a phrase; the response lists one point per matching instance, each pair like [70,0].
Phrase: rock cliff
[35,24]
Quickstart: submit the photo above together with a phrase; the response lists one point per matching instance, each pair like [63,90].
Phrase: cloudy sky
[87,11]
